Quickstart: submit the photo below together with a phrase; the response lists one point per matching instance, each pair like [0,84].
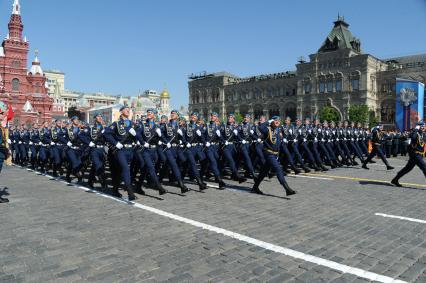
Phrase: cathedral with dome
[25,90]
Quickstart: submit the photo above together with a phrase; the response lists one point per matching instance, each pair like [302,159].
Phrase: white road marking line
[310,177]
[401,217]
[268,246]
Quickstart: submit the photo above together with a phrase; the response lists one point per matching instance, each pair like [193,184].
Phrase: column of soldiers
[144,153]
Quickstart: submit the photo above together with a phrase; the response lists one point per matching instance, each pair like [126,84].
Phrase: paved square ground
[55,232]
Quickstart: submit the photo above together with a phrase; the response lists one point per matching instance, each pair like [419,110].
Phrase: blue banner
[409,103]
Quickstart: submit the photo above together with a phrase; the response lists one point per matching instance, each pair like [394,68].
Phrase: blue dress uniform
[319,141]
[293,142]
[25,145]
[342,136]
[148,135]
[246,134]
[96,143]
[362,137]
[170,139]
[16,138]
[286,132]
[271,148]
[56,148]
[212,137]
[335,136]
[229,135]
[327,141]
[258,147]
[45,139]
[73,151]
[416,152]
[376,139]
[353,144]
[34,144]
[119,135]
[312,145]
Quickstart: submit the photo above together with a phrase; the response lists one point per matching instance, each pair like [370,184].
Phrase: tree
[72,111]
[238,118]
[359,113]
[372,119]
[329,113]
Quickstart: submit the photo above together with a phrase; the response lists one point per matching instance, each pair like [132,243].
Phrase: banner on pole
[409,103]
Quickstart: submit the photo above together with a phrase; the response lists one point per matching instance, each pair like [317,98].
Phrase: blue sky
[122,47]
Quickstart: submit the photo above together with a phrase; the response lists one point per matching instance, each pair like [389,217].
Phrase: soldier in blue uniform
[73,151]
[16,138]
[149,137]
[246,135]
[259,158]
[56,147]
[45,139]
[416,152]
[288,138]
[271,131]
[212,137]
[170,139]
[35,144]
[229,135]
[376,139]
[96,142]
[310,135]
[122,136]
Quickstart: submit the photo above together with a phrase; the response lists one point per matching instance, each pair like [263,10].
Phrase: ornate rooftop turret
[340,38]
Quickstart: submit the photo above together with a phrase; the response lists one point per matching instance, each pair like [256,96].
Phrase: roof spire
[16,8]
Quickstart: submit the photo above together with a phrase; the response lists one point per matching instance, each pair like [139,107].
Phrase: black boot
[288,190]
[130,192]
[79,177]
[90,183]
[202,186]
[183,188]
[238,178]
[395,181]
[139,189]
[323,168]
[102,180]
[388,167]
[222,184]
[160,189]
[364,165]
[115,193]
[307,170]
[255,188]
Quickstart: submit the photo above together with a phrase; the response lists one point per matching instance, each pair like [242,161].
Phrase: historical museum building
[25,90]
[338,75]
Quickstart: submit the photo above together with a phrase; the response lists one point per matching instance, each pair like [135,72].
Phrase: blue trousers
[34,150]
[271,163]
[415,159]
[150,157]
[213,157]
[2,158]
[56,154]
[245,152]
[230,153]
[97,157]
[171,156]
[258,147]
[74,159]
[23,152]
[288,157]
[296,153]
[377,150]
[124,157]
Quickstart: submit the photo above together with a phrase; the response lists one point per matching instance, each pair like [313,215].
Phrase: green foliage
[372,119]
[329,113]
[238,118]
[359,113]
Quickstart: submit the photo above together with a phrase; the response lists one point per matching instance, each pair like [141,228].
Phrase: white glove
[316,139]
[146,145]
[207,144]
[218,133]
[179,131]
[295,140]
[188,145]
[198,133]
[40,143]
[69,144]
[251,132]
[236,132]
[9,141]
[285,140]
[20,142]
[158,131]
[323,140]
[52,143]
[132,132]
[119,145]
[243,142]
[270,121]
[91,144]
[169,145]
[259,140]
[180,142]
[30,143]
[160,142]
[305,140]
[138,143]
[226,143]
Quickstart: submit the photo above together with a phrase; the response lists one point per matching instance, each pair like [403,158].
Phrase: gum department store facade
[338,75]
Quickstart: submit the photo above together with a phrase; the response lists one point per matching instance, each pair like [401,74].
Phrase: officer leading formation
[145,153]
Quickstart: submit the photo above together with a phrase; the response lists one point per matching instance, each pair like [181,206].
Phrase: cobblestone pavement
[55,232]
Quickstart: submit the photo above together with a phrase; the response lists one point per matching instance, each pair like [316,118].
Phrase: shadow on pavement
[389,185]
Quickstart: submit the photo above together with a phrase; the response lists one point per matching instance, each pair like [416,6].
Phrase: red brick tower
[18,87]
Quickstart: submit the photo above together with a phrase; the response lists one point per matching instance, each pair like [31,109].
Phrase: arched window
[339,84]
[15,84]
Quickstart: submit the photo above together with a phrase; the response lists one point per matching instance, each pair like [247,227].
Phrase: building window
[15,84]
[321,87]
[330,86]
[16,64]
[307,87]
[355,84]
[338,85]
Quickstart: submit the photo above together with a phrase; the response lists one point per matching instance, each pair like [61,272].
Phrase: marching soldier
[271,131]
[121,135]
[416,152]
[34,144]
[73,151]
[246,134]
[56,147]
[376,139]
